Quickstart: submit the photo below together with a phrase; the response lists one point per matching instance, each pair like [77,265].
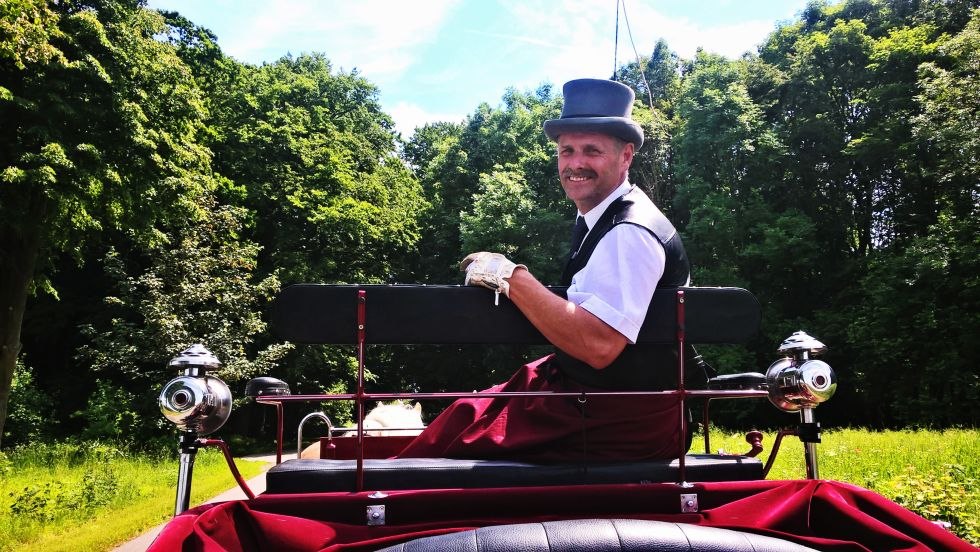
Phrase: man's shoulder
[637,208]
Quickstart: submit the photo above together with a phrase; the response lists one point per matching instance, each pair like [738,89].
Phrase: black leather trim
[316,475]
[625,535]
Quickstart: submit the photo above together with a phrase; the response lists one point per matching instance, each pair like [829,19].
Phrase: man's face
[591,166]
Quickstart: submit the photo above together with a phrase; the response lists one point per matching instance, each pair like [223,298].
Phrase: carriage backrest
[443,314]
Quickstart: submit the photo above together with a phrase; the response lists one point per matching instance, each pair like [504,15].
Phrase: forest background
[155,193]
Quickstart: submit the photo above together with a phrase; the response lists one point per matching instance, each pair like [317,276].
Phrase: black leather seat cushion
[599,535]
[314,475]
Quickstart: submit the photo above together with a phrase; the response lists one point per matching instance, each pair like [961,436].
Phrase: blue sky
[439,59]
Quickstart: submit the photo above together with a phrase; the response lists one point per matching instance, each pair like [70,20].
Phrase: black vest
[638,367]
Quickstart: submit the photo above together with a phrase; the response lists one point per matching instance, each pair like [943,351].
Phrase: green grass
[93,496]
[933,473]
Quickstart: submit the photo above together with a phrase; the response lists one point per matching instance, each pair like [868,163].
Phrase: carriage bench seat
[423,314]
[314,475]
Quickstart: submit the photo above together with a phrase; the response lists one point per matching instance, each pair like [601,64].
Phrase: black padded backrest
[600,534]
[316,476]
[408,314]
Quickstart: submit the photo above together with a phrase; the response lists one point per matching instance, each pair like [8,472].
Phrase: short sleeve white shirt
[618,282]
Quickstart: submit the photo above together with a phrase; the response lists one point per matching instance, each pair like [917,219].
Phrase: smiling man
[623,248]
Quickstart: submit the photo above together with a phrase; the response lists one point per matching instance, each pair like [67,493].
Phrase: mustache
[586,173]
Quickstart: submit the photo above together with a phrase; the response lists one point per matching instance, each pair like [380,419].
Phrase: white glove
[489,270]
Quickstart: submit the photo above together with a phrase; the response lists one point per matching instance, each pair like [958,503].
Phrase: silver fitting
[795,381]
[195,401]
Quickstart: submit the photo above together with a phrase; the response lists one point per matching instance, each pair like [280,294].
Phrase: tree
[506,218]
[491,184]
[949,122]
[915,328]
[724,158]
[100,121]
[197,288]
[313,159]
[812,177]
[492,141]
[917,359]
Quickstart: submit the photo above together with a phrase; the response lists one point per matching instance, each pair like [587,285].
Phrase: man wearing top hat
[628,249]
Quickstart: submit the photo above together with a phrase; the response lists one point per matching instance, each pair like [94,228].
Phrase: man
[628,249]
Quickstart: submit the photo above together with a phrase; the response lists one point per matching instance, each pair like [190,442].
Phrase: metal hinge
[689,503]
[376,514]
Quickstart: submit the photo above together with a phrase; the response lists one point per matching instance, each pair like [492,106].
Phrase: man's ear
[629,149]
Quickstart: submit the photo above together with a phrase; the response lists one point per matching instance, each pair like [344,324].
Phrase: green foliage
[29,417]
[949,121]
[53,500]
[26,28]
[314,158]
[942,495]
[822,176]
[653,164]
[498,151]
[491,184]
[100,123]
[89,495]
[68,453]
[198,289]
[110,414]
[85,165]
[36,502]
[833,174]
[930,289]
[506,219]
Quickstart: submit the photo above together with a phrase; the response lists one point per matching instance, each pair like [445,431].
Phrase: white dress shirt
[618,282]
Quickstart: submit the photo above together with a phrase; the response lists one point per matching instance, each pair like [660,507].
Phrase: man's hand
[489,270]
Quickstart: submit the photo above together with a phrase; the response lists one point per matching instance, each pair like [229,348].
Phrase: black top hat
[597,105]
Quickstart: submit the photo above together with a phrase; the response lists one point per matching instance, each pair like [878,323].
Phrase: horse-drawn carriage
[358,495]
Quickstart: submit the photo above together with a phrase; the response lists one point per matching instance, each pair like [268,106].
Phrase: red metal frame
[681,392]
[361,397]
[231,463]
[361,337]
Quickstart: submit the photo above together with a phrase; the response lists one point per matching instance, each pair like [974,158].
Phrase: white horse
[394,418]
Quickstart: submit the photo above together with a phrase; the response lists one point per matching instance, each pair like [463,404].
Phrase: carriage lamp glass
[796,381]
[195,401]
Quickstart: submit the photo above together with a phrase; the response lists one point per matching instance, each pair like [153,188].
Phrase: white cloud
[684,36]
[519,43]
[408,117]
[565,41]
[377,37]
[579,40]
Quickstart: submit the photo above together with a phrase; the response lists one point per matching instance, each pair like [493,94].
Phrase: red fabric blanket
[825,515]
[552,429]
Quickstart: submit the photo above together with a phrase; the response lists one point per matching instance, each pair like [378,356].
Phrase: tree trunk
[20,252]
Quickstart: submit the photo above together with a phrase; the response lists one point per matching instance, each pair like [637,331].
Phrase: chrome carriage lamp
[198,404]
[797,382]
[194,401]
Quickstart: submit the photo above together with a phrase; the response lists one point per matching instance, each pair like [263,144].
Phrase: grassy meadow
[92,496]
[933,473]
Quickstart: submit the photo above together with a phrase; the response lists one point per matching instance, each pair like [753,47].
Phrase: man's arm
[566,325]
[609,302]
